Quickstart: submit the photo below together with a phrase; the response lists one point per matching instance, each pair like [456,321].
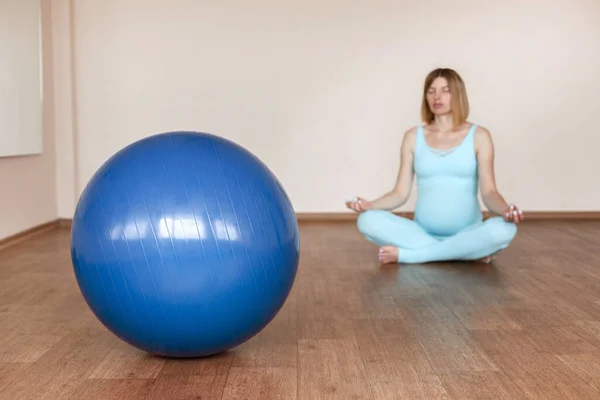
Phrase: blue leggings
[415,245]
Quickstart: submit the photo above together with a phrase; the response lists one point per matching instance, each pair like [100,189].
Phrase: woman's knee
[503,232]
[369,221]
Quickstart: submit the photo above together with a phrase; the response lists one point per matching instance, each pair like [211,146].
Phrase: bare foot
[388,255]
[485,260]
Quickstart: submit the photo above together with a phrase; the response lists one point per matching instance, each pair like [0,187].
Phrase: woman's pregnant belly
[445,208]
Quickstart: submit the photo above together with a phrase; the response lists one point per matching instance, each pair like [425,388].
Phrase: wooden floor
[526,327]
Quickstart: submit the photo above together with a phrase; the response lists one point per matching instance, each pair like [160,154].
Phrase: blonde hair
[458,91]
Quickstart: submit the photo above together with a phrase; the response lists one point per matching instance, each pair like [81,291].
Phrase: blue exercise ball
[184,244]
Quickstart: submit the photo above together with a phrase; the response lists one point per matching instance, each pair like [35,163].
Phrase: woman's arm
[492,198]
[404,181]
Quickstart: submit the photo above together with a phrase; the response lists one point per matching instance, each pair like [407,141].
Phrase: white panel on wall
[20,78]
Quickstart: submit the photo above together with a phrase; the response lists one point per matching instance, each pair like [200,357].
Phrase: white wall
[65,116]
[322,91]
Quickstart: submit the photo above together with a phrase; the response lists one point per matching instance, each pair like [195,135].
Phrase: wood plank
[114,389]
[333,369]
[488,385]
[277,383]
[189,387]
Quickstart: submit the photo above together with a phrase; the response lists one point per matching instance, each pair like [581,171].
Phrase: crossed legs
[414,245]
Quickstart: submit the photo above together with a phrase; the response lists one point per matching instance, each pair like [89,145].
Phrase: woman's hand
[359,204]
[513,214]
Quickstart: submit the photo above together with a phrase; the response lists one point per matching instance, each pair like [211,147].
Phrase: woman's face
[439,97]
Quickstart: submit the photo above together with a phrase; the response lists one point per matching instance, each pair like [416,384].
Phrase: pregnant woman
[452,159]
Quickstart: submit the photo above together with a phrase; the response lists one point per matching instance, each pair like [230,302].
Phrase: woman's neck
[444,123]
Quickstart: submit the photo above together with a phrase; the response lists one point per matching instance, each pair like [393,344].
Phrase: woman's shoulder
[481,132]
[410,135]
[482,138]
[409,138]
[412,131]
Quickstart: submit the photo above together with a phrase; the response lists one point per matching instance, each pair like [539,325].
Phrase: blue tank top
[447,186]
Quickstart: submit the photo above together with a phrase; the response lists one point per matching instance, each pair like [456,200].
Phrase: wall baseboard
[64,222]
[529,215]
[28,234]
[325,217]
